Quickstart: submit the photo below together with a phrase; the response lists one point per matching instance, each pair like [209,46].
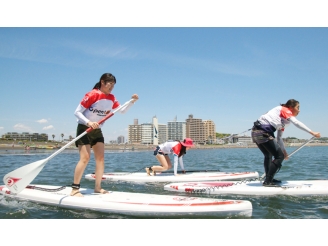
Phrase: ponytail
[97,85]
[182,150]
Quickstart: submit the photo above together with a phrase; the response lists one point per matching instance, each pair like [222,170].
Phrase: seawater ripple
[309,163]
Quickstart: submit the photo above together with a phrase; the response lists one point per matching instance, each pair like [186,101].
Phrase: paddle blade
[17,180]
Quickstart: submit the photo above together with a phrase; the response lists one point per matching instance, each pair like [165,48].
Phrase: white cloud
[42,121]
[48,127]
[22,127]
[1,128]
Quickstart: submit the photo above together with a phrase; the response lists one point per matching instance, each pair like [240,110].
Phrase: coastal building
[25,136]
[176,130]
[134,132]
[210,131]
[195,129]
[120,139]
[154,133]
[162,133]
[147,133]
[242,139]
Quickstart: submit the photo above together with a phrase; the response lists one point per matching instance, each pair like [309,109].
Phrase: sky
[227,72]
[227,61]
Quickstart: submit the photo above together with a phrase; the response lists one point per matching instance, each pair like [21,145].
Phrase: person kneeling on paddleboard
[95,105]
[177,148]
[277,119]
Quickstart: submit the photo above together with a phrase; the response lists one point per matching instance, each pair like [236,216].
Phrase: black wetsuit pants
[271,149]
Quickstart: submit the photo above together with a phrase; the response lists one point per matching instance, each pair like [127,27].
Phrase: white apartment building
[162,133]
[147,133]
[176,130]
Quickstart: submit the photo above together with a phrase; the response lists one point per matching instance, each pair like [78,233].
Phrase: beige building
[134,132]
[195,130]
[210,131]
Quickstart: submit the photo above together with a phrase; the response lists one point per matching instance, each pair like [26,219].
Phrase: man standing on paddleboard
[95,105]
[277,119]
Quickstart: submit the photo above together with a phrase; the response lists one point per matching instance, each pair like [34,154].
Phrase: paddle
[295,151]
[18,179]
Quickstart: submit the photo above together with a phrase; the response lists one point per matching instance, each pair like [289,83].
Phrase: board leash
[33,187]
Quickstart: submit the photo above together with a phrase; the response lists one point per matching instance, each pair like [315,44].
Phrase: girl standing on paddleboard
[94,106]
[177,148]
[277,119]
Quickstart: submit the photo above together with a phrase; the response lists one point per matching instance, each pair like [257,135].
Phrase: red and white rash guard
[173,148]
[95,105]
[280,117]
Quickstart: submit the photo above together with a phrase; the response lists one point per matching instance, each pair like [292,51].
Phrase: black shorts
[157,151]
[91,138]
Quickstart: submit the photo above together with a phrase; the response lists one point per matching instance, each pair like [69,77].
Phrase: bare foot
[76,192]
[102,191]
[147,171]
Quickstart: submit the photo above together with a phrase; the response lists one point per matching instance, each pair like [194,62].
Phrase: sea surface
[308,163]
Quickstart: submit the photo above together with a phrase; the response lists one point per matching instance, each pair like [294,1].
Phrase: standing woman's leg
[267,158]
[99,152]
[84,151]
[273,147]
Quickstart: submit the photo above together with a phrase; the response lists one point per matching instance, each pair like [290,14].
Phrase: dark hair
[183,149]
[105,77]
[290,103]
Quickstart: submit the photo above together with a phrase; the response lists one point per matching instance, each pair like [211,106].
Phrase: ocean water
[307,164]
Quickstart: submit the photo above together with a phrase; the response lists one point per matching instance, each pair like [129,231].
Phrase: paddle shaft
[311,139]
[295,151]
[89,129]
[18,179]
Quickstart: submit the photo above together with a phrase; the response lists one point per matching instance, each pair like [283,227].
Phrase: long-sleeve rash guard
[95,105]
[173,148]
[280,117]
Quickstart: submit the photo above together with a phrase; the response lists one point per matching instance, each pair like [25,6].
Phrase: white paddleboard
[170,177]
[293,188]
[135,204]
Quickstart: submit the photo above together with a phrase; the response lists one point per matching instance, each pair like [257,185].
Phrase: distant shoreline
[131,147]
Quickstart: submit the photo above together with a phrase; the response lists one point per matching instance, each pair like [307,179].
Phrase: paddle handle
[101,121]
[90,129]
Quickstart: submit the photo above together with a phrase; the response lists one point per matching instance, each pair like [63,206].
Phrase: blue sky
[227,74]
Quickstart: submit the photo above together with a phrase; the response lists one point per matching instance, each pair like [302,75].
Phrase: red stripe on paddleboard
[94,176]
[218,203]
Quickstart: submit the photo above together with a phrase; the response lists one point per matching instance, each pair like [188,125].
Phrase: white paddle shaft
[18,179]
